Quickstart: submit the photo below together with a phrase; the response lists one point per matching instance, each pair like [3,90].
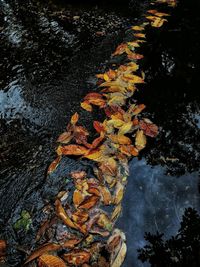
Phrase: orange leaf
[54,165]
[86,105]
[137,28]
[77,197]
[140,35]
[77,257]
[98,126]
[109,167]
[42,250]
[74,118]
[65,138]
[47,260]
[80,216]
[93,96]
[80,135]
[89,202]
[137,109]
[71,243]
[120,49]
[75,150]
[128,150]
[135,56]
[120,139]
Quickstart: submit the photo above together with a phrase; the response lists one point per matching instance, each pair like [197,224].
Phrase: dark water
[50,53]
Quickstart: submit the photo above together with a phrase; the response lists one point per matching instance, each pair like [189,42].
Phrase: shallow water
[50,57]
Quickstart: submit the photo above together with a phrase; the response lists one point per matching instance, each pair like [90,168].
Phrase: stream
[50,53]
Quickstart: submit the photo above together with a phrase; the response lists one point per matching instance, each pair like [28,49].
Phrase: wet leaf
[2,248]
[137,28]
[98,126]
[158,14]
[74,118]
[120,49]
[119,192]
[128,150]
[78,174]
[126,128]
[54,165]
[75,150]
[140,35]
[135,110]
[89,202]
[95,155]
[86,105]
[80,135]
[47,260]
[71,243]
[65,138]
[108,167]
[120,256]
[104,222]
[106,195]
[77,198]
[120,139]
[42,250]
[80,216]
[156,21]
[61,213]
[24,222]
[140,140]
[135,56]
[116,212]
[132,78]
[77,257]
[149,128]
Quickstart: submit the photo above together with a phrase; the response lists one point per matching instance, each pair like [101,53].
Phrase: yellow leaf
[125,128]
[120,139]
[85,105]
[140,35]
[156,21]
[116,212]
[115,123]
[132,78]
[119,192]
[137,28]
[140,140]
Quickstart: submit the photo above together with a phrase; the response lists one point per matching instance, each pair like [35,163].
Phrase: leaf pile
[81,230]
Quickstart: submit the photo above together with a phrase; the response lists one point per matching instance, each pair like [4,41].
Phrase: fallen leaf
[158,14]
[89,202]
[77,198]
[78,174]
[47,260]
[2,248]
[140,140]
[149,128]
[77,257]
[104,222]
[75,150]
[98,126]
[74,118]
[137,28]
[125,128]
[128,150]
[140,35]
[116,212]
[119,192]
[132,78]
[120,139]
[42,250]
[135,56]
[86,105]
[120,49]
[80,216]
[65,138]
[54,165]
[156,21]
[71,243]
[106,195]
[80,135]
[61,213]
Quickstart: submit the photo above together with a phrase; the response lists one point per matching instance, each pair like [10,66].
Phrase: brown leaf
[78,197]
[47,260]
[77,257]
[75,150]
[2,248]
[80,216]
[80,135]
[140,35]
[128,150]
[108,167]
[119,192]
[135,56]
[71,243]
[54,165]
[89,202]
[44,226]
[149,128]
[42,250]
[137,28]
[104,222]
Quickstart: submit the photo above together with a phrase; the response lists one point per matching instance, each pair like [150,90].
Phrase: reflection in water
[154,202]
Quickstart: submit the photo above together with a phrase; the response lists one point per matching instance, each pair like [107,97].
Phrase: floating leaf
[47,260]
[77,257]
[119,192]
[149,128]
[74,118]
[54,165]
[128,150]
[140,35]
[116,212]
[65,138]
[104,222]
[106,195]
[77,197]
[120,139]
[140,140]
[137,28]
[86,105]
[89,202]
[75,150]
[98,126]
[42,250]
[156,21]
